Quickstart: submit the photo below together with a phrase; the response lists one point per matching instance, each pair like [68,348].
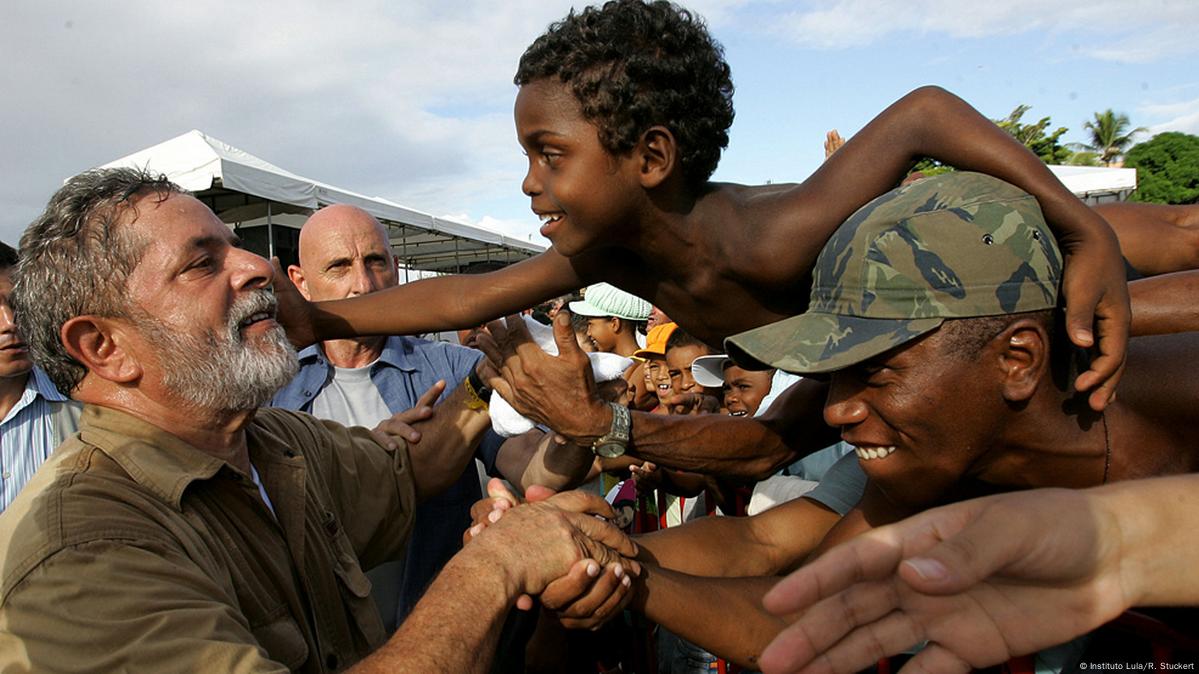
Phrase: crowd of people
[869,420]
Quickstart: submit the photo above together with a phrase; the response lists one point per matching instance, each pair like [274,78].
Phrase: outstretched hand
[556,391]
[402,423]
[981,581]
[295,313]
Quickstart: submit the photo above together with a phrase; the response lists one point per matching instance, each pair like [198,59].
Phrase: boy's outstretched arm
[934,123]
[443,303]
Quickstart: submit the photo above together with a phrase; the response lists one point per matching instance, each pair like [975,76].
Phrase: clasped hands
[597,583]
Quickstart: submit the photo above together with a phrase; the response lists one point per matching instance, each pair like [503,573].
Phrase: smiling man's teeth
[260,316]
[550,217]
[868,453]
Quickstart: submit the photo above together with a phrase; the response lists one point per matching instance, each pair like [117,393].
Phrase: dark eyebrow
[335,262]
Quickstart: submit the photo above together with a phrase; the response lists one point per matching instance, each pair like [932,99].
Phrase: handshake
[558,547]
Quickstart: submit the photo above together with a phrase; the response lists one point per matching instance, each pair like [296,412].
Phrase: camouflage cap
[957,245]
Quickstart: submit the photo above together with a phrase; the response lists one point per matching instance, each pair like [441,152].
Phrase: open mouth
[14,346]
[874,453]
[549,221]
[738,413]
[255,318]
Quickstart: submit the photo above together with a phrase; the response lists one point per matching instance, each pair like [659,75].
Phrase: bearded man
[184,529]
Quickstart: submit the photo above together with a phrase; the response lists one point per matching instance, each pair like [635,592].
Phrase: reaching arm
[447,438]
[932,122]
[1155,238]
[991,578]
[1165,304]
[442,303]
[559,392]
[455,625]
[538,458]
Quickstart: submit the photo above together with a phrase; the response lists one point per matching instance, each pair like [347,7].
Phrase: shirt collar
[396,353]
[44,387]
[154,458]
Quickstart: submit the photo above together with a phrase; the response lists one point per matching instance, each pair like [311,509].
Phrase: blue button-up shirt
[29,433]
[405,370]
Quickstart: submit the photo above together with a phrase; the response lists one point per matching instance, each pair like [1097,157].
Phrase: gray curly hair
[75,260]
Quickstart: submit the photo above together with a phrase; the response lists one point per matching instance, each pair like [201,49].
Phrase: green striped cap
[957,245]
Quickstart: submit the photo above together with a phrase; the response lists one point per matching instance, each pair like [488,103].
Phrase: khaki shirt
[131,550]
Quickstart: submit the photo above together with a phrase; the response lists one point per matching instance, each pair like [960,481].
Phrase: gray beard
[225,373]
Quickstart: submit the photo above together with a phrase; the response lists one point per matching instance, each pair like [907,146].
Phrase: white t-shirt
[351,399]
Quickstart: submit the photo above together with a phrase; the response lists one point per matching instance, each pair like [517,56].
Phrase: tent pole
[404,249]
[270,231]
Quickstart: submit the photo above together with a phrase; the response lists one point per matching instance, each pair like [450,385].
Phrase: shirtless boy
[623,111]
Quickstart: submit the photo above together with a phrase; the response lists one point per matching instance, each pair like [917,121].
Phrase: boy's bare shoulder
[767,233]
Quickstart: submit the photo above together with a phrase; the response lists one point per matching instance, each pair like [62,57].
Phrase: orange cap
[655,341]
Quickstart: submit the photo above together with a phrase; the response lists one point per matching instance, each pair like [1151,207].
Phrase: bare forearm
[934,123]
[765,544]
[1157,519]
[1165,304]
[447,444]
[447,302]
[536,458]
[455,626]
[722,615]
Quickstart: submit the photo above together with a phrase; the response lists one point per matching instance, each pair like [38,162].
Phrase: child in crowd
[623,111]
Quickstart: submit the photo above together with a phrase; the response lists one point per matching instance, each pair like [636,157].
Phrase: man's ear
[1023,357]
[296,274]
[658,155]
[102,345]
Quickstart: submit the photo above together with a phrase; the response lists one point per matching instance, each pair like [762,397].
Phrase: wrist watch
[613,443]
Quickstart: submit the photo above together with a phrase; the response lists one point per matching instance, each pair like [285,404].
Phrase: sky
[412,101]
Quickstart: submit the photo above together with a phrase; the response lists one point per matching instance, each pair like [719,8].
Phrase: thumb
[960,561]
[564,337]
[537,492]
[496,489]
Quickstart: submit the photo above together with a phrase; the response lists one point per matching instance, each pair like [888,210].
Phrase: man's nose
[362,282]
[250,270]
[7,322]
[844,406]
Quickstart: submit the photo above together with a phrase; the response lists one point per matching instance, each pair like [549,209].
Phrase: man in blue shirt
[344,252]
[34,416]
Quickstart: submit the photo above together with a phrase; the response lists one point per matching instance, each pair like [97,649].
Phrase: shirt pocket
[355,588]
[282,639]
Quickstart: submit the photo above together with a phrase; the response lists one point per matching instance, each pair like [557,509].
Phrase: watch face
[610,450]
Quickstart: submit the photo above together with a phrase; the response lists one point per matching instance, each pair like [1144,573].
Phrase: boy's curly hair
[634,64]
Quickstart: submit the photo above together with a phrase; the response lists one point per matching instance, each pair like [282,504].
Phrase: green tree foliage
[1047,146]
[1110,135]
[1167,168]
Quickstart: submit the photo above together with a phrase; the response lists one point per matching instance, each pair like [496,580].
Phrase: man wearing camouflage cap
[933,314]
[933,318]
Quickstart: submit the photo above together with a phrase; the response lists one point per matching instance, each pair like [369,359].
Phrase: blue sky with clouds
[412,100]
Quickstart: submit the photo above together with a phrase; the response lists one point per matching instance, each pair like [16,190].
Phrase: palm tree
[1109,135]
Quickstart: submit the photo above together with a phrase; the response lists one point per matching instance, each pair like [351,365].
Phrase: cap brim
[813,343]
[582,308]
[708,371]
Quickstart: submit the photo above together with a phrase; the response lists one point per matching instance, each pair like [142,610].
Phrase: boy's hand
[1096,294]
[295,312]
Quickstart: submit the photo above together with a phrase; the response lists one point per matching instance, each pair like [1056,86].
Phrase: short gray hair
[76,260]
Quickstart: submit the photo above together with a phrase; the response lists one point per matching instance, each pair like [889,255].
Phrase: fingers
[386,440]
[966,554]
[594,601]
[871,556]
[581,502]
[608,538]
[429,398]
[1108,366]
[840,650]
[496,489]
[537,492]
[573,586]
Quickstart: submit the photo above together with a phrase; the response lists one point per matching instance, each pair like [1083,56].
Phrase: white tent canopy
[249,192]
[1097,184]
